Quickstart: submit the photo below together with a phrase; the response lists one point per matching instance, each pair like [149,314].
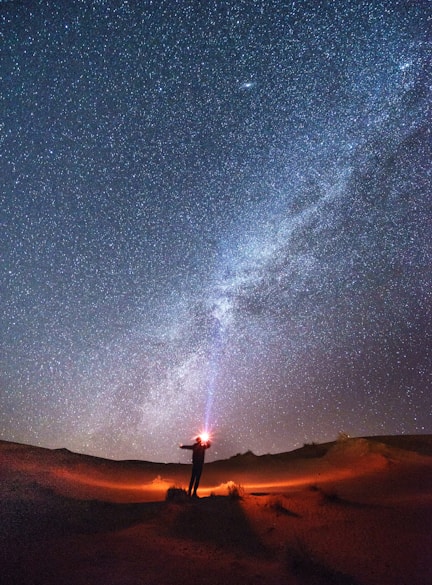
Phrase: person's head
[198,439]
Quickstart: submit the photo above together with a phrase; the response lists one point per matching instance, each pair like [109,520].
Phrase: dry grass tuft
[235,491]
[175,494]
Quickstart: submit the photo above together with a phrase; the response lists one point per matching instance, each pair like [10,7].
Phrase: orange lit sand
[358,512]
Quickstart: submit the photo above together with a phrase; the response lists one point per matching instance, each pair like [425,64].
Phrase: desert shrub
[331,497]
[175,494]
[326,497]
[277,505]
[235,491]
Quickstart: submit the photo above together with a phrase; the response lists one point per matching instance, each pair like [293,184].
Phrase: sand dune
[357,511]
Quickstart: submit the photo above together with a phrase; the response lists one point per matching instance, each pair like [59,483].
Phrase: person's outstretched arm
[186,446]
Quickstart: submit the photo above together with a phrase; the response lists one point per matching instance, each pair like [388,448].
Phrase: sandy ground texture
[357,511]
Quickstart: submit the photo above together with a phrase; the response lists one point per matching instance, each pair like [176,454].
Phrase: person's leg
[198,472]
[191,483]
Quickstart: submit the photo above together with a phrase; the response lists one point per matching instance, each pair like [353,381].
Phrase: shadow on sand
[47,514]
[216,520]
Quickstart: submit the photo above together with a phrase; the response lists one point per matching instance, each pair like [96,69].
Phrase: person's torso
[198,454]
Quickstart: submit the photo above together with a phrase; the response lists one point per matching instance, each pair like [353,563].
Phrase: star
[215,219]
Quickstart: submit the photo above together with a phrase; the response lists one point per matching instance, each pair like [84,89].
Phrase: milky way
[215,213]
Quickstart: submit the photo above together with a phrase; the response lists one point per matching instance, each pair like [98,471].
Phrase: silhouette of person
[198,455]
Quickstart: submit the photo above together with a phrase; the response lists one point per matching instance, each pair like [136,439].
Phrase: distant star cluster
[215,216]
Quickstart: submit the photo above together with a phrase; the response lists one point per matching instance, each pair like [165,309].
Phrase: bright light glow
[205,437]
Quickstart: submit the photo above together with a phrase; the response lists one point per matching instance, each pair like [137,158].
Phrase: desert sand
[355,511]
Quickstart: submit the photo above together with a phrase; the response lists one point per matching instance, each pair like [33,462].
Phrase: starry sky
[215,214]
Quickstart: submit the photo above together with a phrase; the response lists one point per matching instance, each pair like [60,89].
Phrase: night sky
[215,214]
